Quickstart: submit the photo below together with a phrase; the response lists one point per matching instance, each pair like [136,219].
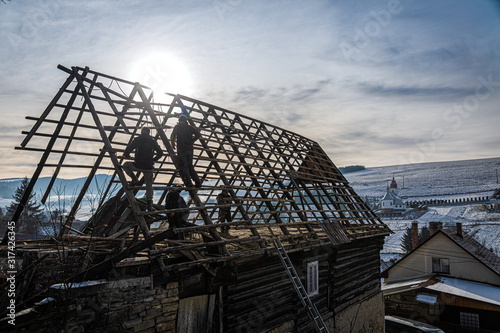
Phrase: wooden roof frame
[281,182]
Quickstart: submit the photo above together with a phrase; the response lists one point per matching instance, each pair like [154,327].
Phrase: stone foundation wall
[129,305]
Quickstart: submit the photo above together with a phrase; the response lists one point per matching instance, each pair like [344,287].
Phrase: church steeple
[394,186]
[393,183]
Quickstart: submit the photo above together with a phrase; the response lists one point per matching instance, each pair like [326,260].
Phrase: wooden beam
[122,255]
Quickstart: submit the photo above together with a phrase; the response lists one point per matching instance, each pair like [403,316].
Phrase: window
[312,278]
[470,320]
[440,265]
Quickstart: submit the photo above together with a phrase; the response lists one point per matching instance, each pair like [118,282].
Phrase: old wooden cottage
[303,249]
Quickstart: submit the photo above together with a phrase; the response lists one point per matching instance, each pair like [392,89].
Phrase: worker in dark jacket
[146,152]
[174,200]
[183,137]
[224,200]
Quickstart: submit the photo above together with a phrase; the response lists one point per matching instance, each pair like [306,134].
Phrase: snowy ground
[444,180]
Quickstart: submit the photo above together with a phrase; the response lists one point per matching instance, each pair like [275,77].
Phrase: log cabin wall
[263,297]
[356,273]
[355,296]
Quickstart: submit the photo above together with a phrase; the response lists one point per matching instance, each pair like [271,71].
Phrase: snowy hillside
[443,180]
[430,180]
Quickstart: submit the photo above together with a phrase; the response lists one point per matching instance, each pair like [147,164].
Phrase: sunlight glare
[163,73]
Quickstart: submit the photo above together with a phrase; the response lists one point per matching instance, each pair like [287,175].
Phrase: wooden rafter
[282,184]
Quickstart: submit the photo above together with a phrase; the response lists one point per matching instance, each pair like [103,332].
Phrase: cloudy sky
[374,82]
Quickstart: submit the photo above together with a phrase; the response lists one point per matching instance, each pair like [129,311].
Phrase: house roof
[389,195]
[402,286]
[468,289]
[468,244]
[474,248]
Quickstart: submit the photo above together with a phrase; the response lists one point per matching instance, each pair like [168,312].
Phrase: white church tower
[391,202]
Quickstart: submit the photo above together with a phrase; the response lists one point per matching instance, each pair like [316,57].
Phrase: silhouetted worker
[146,152]
[224,198]
[174,200]
[183,137]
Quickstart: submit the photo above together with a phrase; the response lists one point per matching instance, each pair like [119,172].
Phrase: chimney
[459,230]
[434,227]
[414,235]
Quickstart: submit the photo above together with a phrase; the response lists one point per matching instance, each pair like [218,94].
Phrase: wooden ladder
[299,288]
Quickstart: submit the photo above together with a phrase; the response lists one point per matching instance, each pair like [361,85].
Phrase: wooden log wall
[355,272]
[263,296]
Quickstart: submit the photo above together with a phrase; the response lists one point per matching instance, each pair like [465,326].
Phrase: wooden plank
[47,111]
[61,152]
[122,255]
[179,246]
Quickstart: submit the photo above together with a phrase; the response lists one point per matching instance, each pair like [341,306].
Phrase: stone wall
[128,305]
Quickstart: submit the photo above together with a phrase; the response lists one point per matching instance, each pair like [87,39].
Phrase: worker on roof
[174,200]
[224,199]
[183,137]
[146,152]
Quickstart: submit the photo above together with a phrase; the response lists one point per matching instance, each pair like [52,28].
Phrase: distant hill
[436,180]
[68,186]
[66,189]
[415,181]
[351,168]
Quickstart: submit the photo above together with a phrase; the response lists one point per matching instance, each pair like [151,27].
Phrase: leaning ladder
[299,288]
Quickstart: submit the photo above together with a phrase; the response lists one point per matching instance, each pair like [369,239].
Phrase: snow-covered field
[430,180]
[442,180]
